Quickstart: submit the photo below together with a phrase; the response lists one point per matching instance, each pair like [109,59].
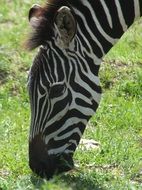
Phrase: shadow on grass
[3,76]
[72,181]
[81,181]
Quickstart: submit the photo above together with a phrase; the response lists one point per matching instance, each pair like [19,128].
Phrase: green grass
[117,164]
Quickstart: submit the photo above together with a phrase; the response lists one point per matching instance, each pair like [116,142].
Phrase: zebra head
[62,94]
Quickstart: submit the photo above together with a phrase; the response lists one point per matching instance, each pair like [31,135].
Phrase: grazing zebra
[63,82]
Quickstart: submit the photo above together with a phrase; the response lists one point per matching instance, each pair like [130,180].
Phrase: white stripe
[55,67]
[73,142]
[90,32]
[96,96]
[97,61]
[98,25]
[69,122]
[67,151]
[57,117]
[62,62]
[107,13]
[62,149]
[44,69]
[58,150]
[37,110]
[46,60]
[137,8]
[89,73]
[68,134]
[120,15]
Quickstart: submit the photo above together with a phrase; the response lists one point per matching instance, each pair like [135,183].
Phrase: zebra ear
[34,15]
[66,25]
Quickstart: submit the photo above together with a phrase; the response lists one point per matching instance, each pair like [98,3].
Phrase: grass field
[117,163]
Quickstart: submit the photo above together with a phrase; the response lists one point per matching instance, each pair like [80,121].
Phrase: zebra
[64,88]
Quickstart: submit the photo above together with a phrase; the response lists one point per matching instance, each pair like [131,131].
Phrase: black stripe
[128,11]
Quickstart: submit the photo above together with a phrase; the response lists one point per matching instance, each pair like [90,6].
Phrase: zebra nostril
[65,163]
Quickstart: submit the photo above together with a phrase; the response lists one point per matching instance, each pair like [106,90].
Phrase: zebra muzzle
[45,165]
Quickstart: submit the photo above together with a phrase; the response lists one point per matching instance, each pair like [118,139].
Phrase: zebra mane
[43,30]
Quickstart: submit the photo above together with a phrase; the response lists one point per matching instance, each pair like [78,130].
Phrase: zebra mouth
[53,165]
[45,165]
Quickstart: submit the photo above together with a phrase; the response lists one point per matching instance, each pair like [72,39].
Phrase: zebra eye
[57,90]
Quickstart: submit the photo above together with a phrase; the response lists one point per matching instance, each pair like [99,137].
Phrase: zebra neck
[102,23]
